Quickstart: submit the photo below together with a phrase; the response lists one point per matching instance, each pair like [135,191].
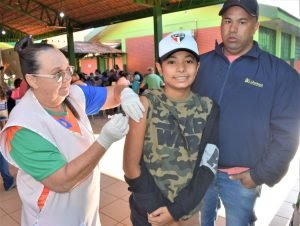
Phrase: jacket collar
[253,52]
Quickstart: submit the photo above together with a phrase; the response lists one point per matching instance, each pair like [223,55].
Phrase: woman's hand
[131,104]
[115,129]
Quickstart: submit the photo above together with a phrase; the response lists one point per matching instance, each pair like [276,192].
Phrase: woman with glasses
[49,138]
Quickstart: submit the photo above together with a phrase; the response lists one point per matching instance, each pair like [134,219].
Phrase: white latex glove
[131,104]
[210,157]
[116,128]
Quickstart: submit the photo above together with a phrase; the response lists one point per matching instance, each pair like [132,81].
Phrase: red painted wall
[207,37]
[140,51]
[88,65]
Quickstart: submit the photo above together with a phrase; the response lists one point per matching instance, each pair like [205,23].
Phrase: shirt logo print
[64,123]
[253,83]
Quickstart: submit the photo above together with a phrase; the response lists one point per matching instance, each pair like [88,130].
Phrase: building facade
[279,34]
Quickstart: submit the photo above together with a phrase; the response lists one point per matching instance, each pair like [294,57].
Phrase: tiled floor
[114,209]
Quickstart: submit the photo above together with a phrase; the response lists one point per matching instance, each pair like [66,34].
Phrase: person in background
[116,69]
[90,79]
[15,94]
[3,108]
[112,77]
[105,78]
[12,95]
[123,78]
[98,73]
[7,178]
[98,81]
[136,82]
[23,88]
[151,80]
[170,156]
[258,95]
[48,136]
[76,80]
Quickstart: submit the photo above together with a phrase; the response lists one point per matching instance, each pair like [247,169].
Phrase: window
[267,40]
[286,40]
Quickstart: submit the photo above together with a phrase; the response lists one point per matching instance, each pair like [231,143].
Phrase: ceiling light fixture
[3,32]
[61,14]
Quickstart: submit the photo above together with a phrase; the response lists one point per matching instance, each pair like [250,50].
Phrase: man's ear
[198,65]
[32,81]
[256,26]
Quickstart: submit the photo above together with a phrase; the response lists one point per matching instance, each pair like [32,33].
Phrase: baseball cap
[178,40]
[251,6]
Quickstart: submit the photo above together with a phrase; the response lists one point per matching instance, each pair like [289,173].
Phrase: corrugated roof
[41,19]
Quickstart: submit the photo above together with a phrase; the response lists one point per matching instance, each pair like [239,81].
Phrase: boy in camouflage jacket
[170,156]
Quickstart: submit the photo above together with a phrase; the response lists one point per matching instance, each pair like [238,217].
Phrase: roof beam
[188,4]
[171,5]
[46,15]
[147,3]
[11,34]
[50,34]
[39,12]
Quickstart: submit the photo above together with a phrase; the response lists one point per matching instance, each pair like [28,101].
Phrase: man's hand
[245,179]
[160,217]
[116,128]
[131,104]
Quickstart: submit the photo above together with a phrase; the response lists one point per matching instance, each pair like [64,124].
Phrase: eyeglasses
[59,76]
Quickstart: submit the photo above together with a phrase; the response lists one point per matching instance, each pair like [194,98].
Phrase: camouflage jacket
[172,139]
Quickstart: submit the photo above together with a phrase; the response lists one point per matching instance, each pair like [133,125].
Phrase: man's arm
[284,126]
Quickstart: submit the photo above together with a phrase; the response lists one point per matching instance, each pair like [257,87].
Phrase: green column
[113,60]
[98,63]
[278,43]
[71,52]
[293,46]
[103,64]
[123,54]
[157,22]
[107,62]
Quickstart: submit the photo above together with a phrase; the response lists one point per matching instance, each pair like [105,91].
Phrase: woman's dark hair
[81,76]
[123,74]
[116,67]
[27,51]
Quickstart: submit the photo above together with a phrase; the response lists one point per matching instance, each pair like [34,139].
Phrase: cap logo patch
[178,37]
